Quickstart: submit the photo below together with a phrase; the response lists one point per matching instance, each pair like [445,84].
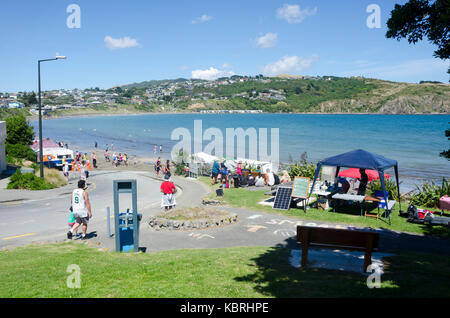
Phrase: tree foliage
[417,19]
[446,154]
[28,99]
[18,130]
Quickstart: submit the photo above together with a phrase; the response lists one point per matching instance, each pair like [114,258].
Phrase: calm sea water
[415,141]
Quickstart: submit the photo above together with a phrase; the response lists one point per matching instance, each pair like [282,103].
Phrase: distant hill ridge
[297,93]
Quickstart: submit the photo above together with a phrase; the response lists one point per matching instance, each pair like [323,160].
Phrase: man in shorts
[81,209]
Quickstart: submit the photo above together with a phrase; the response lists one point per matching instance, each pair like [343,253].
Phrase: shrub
[302,169]
[18,130]
[20,151]
[429,194]
[27,181]
[390,186]
[179,169]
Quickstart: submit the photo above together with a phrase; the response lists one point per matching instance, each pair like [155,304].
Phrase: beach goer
[81,207]
[158,166]
[259,181]
[83,170]
[66,170]
[95,145]
[160,148]
[135,160]
[168,190]
[285,178]
[270,178]
[94,160]
[215,171]
[154,149]
[363,182]
[239,168]
[345,184]
[167,169]
[304,156]
[125,159]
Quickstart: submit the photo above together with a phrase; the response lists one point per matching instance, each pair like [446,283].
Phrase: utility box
[126,223]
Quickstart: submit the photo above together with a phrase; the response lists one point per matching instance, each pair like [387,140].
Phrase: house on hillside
[15,104]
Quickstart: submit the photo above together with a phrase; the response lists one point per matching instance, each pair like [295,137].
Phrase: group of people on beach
[162,169]
[222,174]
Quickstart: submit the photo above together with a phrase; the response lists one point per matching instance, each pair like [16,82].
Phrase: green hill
[326,94]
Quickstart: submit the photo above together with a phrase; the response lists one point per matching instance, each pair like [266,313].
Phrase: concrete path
[27,216]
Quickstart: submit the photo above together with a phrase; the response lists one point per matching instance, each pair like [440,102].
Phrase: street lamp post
[41,155]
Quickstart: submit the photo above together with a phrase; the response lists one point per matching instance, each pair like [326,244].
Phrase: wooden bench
[337,239]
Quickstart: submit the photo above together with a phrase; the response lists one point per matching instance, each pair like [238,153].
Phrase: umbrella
[354,173]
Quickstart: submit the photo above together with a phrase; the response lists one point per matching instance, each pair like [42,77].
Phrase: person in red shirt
[168,191]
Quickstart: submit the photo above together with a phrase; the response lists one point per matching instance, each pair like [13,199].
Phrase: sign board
[300,189]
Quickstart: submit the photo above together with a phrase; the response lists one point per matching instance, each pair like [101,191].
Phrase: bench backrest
[336,237]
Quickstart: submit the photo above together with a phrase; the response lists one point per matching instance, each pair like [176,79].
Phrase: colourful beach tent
[355,174]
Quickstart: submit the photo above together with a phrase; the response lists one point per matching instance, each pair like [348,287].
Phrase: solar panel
[283,199]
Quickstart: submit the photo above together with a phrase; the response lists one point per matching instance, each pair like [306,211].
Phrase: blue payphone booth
[126,223]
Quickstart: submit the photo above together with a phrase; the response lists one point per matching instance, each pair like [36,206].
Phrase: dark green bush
[179,170]
[18,130]
[20,151]
[27,181]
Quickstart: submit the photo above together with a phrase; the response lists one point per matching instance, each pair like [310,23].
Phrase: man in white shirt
[81,207]
[66,171]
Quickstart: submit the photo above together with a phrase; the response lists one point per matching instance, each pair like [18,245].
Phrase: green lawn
[242,198]
[242,272]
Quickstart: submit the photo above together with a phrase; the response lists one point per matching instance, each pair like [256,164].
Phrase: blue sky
[122,42]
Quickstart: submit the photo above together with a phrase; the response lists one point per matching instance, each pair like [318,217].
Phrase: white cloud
[121,43]
[202,19]
[294,14]
[289,64]
[268,40]
[211,74]
[226,65]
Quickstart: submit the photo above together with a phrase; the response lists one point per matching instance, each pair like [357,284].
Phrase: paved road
[32,216]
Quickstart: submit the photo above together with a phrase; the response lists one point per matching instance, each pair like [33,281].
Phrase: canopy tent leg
[386,198]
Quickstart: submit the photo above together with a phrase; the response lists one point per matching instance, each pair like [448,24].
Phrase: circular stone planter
[195,219]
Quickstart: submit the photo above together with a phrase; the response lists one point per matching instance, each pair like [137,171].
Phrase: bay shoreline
[117,114]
